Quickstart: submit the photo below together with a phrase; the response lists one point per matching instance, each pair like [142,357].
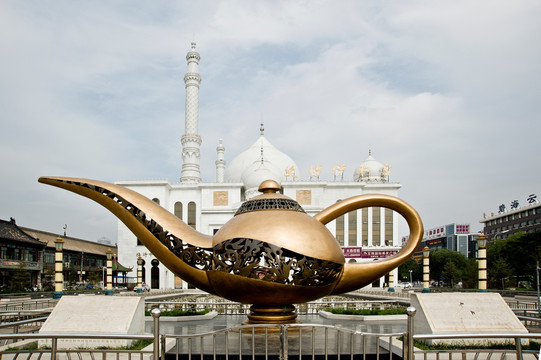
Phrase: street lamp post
[411,279]
[391,281]
[139,274]
[58,268]
[109,290]
[482,261]
[426,269]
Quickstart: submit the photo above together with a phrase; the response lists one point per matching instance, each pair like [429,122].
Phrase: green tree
[47,284]
[443,263]
[404,271]
[521,252]
[470,275]
[20,280]
[93,277]
[450,273]
[513,259]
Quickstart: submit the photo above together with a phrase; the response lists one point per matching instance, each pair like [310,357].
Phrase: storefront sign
[358,252]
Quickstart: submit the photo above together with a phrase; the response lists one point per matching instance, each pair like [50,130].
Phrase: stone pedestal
[448,313]
[89,314]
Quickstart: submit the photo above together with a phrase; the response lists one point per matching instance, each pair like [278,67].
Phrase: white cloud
[446,92]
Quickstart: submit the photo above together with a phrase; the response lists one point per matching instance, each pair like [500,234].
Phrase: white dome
[371,170]
[275,162]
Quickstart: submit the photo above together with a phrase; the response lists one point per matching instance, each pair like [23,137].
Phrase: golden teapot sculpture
[271,254]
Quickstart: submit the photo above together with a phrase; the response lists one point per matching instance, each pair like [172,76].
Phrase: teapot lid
[269,200]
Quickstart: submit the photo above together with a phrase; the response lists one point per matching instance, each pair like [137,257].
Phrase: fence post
[156,345]
[163,346]
[283,342]
[407,349]
[53,348]
[518,345]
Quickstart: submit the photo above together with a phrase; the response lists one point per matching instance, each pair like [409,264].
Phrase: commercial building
[517,219]
[455,237]
[33,251]
[364,235]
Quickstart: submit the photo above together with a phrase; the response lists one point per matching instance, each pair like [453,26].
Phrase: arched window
[191,214]
[178,210]
[155,274]
[143,272]
[156,200]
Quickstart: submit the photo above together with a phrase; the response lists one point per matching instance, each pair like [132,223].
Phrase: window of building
[364,221]
[156,200]
[191,214]
[376,221]
[178,210]
[388,227]
[340,230]
[48,258]
[352,228]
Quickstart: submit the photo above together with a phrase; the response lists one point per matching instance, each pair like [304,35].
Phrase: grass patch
[137,345]
[179,312]
[392,311]
[491,346]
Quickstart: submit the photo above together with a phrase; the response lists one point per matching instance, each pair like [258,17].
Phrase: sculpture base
[269,314]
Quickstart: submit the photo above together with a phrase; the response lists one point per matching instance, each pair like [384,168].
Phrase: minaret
[191,141]
[220,163]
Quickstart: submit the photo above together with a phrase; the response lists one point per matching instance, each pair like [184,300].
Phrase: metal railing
[36,304]
[21,327]
[18,315]
[18,348]
[279,341]
[514,340]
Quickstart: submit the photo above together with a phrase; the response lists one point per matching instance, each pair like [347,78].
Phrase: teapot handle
[361,274]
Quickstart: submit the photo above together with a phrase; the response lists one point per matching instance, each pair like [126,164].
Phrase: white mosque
[364,234]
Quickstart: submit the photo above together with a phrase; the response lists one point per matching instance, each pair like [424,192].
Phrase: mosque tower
[191,141]
[220,163]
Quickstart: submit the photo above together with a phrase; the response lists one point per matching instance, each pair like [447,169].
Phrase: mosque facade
[364,235]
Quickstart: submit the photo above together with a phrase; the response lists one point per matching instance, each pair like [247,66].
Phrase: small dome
[371,170]
[275,161]
[258,172]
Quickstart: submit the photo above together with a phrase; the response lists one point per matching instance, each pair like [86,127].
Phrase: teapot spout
[179,247]
[357,275]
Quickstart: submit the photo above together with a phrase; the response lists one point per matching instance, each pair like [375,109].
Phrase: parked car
[405,285]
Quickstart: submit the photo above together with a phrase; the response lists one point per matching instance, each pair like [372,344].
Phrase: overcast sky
[447,92]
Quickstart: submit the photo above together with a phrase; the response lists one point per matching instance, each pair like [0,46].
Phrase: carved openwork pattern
[260,260]
[197,257]
[269,204]
[244,257]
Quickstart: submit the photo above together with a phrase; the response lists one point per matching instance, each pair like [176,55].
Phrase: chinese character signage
[358,252]
[463,229]
[531,199]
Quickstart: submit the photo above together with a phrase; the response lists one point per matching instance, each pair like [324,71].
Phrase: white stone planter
[207,316]
[329,315]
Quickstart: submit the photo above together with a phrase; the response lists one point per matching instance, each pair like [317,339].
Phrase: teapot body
[272,256]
